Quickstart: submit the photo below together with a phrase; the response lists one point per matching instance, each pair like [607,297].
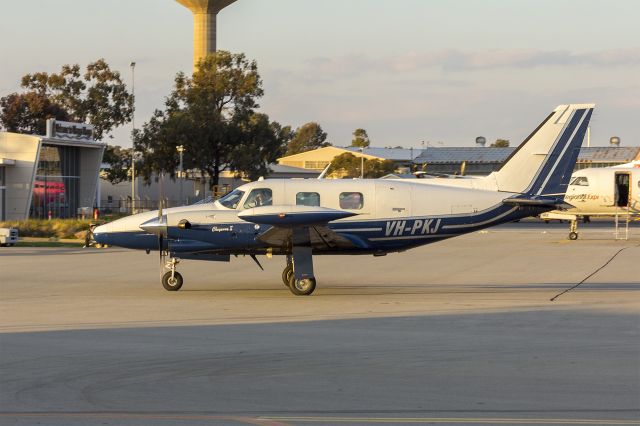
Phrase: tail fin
[543,163]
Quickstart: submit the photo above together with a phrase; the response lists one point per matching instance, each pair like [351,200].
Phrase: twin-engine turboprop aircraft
[302,218]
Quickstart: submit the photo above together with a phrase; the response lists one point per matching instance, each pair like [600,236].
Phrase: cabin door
[622,189]
[393,200]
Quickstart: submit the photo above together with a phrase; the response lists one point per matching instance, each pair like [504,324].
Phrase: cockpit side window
[232,199]
[580,181]
[259,197]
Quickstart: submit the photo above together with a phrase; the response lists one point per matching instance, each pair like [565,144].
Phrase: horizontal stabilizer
[542,202]
[290,215]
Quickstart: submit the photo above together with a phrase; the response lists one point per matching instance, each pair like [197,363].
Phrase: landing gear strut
[573,230]
[172,280]
[298,274]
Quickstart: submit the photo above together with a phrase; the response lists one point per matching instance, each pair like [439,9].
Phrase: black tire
[172,285]
[286,274]
[302,287]
[573,235]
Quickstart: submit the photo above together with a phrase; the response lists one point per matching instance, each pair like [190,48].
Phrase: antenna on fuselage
[324,172]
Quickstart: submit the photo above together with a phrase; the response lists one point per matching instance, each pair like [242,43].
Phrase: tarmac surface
[458,332]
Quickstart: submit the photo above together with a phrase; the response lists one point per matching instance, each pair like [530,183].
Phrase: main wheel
[573,235]
[303,287]
[172,283]
[286,274]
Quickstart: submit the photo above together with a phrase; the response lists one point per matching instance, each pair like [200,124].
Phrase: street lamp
[362,162]
[133,149]
[180,149]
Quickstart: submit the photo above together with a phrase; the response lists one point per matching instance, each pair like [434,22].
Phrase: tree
[348,165]
[119,161]
[260,142]
[306,138]
[212,115]
[28,112]
[360,138]
[98,97]
[500,143]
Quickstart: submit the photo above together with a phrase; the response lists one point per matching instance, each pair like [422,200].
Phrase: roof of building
[279,168]
[394,154]
[498,155]
[608,154]
[460,154]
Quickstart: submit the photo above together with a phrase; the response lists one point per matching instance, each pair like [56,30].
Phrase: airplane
[605,191]
[302,218]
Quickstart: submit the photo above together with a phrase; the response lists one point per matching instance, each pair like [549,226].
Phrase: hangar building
[46,176]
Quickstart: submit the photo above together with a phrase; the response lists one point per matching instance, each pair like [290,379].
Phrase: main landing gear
[298,274]
[172,280]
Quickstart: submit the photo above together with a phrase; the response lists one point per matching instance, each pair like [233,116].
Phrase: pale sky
[405,70]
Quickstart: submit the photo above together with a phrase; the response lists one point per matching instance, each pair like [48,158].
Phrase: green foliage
[98,97]
[348,165]
[260,142]
[119,161]
[500,143]
[308,137]
[58,228]
[212,115]
[360,138]
[28,112]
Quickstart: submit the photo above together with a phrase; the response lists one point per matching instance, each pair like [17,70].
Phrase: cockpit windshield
[580,181]
[232,199]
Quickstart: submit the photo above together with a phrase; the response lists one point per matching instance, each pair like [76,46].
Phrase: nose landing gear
[172,280]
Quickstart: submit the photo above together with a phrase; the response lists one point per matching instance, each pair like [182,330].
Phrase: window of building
[580,181]
[307,199]
[259,197]
[316,165]
[351,200]
[56,189]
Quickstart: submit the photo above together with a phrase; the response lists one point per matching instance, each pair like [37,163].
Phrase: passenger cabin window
[307,199]
[259,197]
[351,200]
[580,181]
[232,199]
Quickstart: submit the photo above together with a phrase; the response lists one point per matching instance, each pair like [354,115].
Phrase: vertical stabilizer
[543,163]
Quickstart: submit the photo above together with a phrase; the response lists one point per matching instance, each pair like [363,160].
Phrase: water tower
[204,25]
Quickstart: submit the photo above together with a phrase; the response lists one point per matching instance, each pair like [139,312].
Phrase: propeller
[160,222]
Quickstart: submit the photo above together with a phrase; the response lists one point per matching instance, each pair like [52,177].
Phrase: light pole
[180,149]
[133,149]
[362,162]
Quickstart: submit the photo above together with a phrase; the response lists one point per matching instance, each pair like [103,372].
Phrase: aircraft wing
[291,216]
[320,236]
[288,219]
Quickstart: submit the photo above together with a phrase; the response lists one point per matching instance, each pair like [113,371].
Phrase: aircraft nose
[157,225]
[101,233]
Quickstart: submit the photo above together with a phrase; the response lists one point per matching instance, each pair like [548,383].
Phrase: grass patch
[47,244]
[58,228]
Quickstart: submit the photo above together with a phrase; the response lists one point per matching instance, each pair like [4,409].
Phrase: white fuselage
[594,191]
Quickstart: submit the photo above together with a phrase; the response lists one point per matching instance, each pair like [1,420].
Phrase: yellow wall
[318,159]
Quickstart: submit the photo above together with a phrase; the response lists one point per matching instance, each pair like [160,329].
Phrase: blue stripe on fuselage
[391,234]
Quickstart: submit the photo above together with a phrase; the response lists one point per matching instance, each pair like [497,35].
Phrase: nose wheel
[172,280]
